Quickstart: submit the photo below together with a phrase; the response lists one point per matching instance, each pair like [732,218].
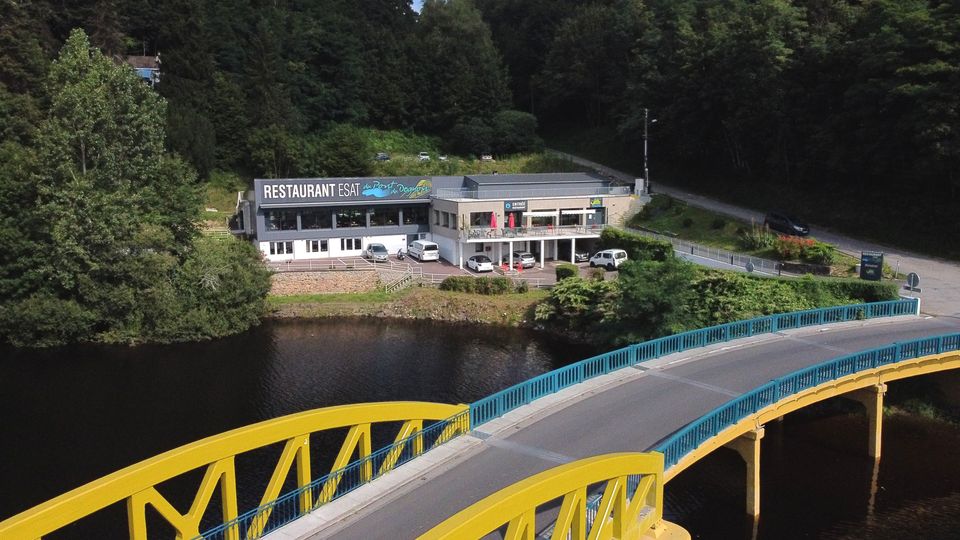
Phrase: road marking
[813,343]
[692,382]
[504,444]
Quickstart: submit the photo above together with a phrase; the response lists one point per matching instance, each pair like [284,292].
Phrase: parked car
[424,250]
[376,253]
[423,156]
[442,158]
[781,222]
[480,263]
[527,260]
[486,157]
[581,256]
[610,259]
[382,156]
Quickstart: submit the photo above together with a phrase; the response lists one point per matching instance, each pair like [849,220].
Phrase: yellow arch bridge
[612,495]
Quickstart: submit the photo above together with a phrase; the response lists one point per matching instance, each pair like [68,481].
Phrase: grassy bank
[415,303]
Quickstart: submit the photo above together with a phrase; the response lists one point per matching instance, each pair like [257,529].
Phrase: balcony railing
[448,193]
[483,234]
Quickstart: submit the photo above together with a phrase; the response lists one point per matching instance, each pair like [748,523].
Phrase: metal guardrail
[500,233]
[710,425]
[715,254]
[289,507]
[516,396]
[336,265]
[451,193]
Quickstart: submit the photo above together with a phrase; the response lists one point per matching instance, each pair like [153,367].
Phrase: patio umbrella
[510,221]
[493,220]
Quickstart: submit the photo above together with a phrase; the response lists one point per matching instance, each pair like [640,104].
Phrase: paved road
[940,279]
[630,410]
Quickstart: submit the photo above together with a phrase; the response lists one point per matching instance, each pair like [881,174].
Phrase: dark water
[71,416]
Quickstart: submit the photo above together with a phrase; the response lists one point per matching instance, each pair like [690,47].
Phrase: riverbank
[423,303]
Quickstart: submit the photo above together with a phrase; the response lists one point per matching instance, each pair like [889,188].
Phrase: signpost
[912,281]
[871,265]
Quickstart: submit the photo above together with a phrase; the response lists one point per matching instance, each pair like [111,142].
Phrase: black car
[783,223]
[382,156]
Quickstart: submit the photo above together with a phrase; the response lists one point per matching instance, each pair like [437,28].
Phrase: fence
[715,254]
[710,425]
[506,400]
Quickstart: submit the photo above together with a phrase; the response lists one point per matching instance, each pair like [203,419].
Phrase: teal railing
[518,395]
[708,426]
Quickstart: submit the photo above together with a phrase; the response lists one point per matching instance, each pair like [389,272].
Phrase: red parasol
[510,221]
[493,220]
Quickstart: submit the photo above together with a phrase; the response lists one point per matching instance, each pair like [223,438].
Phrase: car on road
[611,259]
[480,263]
[581,256]
[523,258]
[382,156]
[376,253]
[780,222]
[486,157]
[423,156]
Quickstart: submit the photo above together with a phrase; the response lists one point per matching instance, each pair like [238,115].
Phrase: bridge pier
[748,446]
[872,399]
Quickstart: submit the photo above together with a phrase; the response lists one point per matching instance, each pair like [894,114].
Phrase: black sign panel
[871,265]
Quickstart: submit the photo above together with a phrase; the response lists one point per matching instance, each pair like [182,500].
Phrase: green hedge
[567,270]
[481,285]
[458,284]
[638,248]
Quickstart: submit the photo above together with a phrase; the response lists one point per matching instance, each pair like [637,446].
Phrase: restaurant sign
[313,190]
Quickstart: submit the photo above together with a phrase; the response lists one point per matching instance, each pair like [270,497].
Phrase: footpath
[939,278]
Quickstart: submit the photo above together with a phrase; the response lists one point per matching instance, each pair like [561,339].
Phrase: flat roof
[536,178]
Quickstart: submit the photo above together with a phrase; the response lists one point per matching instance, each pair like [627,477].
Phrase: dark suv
[783,223]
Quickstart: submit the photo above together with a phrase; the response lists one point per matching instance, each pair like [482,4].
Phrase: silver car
[523,258]
[376,253]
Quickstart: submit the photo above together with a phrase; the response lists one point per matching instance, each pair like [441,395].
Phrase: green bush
[819,253]
[522,286]
[758,237]
[459,284]
[567,270]
[598,274]
[687,223]
[638,248]
[495,285]
[860,290]
[718,223]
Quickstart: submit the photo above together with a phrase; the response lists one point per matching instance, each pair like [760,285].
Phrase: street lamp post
[646,169]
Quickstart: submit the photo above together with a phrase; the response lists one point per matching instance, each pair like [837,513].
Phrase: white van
[609,258]
[424,250]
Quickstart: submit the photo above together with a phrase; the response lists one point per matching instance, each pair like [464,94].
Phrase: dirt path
[939,279]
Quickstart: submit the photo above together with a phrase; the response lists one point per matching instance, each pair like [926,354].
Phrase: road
[939,278]
[630,410]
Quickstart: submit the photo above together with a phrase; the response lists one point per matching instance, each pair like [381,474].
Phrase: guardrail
[716,254]
[506,400]
[710,425]
[451,193]
[482,234]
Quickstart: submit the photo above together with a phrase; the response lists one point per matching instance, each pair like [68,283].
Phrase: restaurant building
[551,215]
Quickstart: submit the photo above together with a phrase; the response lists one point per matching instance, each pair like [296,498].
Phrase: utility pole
[646,170]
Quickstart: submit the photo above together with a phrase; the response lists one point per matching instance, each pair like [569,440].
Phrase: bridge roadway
[627,411]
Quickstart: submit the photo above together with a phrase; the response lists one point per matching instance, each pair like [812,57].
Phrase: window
[415,215]
[480,219]
[351,217]
[350,244]
[384,216]
[281,220]
[281,248]
[446,219]
[479,248]
[436,217]
[541,221]
[317,246]
[319,218]
[569,219]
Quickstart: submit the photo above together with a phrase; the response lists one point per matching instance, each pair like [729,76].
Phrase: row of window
[316,246]
[345,217]
[483,219]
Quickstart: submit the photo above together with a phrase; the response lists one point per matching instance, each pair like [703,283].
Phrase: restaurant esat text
[307,191]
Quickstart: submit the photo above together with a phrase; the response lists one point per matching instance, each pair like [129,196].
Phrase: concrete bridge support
[748,446]
[872,399]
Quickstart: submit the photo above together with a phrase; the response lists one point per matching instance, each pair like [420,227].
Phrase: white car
[609,258]
[480,263]
[423,156]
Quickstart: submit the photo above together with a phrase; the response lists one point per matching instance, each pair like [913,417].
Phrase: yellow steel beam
[616,518]
[136,483]
[923,365]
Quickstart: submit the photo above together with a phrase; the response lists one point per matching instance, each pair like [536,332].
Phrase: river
[73,415]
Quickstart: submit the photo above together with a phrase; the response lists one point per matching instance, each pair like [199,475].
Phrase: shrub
[496,285]
[522,286]
[567,270]
[718,223]
[791,247]
[598,274]
[757,237]
[458,284]
[687,223]
[819,253]
[638,247]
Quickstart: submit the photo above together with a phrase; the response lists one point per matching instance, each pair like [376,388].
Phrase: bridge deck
[635,410]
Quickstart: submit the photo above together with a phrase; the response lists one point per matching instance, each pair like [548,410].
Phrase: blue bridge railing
[520,394]
[711,424]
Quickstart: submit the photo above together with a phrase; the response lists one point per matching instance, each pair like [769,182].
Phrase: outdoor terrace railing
[483,234]
[450,193]
[521,394]
[710,425]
